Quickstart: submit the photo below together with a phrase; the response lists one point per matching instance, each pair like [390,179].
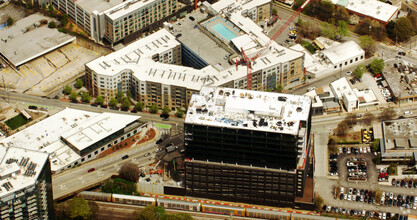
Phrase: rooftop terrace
[246,109]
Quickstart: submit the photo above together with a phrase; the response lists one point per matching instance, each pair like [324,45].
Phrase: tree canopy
[119,186]
[139,106]
[377,66]
[120,96]
[67,90]
[130,171]
[392,169]
[158,213]
[342,129]
[359,71]
[113,102]
[73,96]
[79,208]
[79,83]
[367,43]
[126,103]
[179,113]
[99,100]
[368,118]
[388,114]
[403,29]
[154,108]
[166,110]
[86,97]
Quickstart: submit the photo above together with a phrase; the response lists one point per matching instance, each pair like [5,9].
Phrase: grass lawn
[163,126]
[16,121]
[350,137]
[308,46]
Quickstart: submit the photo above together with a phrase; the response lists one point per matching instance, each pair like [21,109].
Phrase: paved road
[13,97]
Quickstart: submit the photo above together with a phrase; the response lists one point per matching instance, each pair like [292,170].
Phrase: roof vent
[299,109]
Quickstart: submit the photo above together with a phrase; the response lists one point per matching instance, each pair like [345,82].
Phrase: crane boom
[280,30]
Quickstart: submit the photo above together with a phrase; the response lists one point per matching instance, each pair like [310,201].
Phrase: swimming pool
[224,31]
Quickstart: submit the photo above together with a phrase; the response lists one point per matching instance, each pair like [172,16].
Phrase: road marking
[63,186]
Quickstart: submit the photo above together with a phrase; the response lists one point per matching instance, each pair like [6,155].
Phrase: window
[115,142]
[95,153]
[340,65]
[82,159]
[89,156]
[356,59]
[345,63]
[102,149]
[75,163]
[335,67]
[122,138]
[361,57]
[69,166]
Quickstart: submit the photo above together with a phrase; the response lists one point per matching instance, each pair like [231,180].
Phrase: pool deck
[220,20]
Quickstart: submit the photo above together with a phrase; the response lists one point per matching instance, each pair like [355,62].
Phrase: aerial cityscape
[208,109]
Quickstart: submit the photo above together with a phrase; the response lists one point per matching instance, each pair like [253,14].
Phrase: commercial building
[25,184]
[343,55]
[247,146]
[27,40]
[352,98]
[72,137]
[373,9]
[399,139]
[118,20]
[150,67]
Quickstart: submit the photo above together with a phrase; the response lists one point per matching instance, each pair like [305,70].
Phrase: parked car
[147,154]
[348,73]
[91,170]
[125,157]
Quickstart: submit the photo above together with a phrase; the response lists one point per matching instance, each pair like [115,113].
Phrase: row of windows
[351,61]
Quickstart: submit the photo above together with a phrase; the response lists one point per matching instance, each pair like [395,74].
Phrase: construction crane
[248,61]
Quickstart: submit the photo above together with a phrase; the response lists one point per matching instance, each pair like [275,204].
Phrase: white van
[408,113]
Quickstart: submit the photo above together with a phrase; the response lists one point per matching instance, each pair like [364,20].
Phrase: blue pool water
[224,31]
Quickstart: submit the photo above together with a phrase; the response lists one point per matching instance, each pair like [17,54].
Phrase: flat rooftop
[400,137]
[341,52]
[373,8]
[19,169]
[97,128]
[127,7]
[97,5]
[247,109]
[23,41]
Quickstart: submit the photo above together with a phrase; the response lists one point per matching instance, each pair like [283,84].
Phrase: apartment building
[247,146]
[25,183]
[117,20]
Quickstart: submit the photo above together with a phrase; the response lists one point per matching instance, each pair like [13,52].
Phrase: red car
[91,170]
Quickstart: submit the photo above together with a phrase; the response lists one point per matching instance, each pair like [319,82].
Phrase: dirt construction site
[49,73]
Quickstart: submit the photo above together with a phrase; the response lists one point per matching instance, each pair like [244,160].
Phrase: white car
[408,113]
[311,89]
[348,73]
[349,197]
[345,197]
[364,150]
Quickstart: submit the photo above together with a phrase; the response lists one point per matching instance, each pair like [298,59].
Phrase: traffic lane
[103,162]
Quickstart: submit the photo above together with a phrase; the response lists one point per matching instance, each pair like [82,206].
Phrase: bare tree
[388,114]
[368,118]
[130,171]
[351,119]
[342,129]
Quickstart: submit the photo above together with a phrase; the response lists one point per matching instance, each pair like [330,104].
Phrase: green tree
[99,100]
[67,90]
[139,106]
[52,24]
[377,66]
[359,71]
[341,30]
[119,186]
[129,94]
[64,20]
[148,213]
[179,113]
[120,96]
[279,88]
[126,103]
[166,110]
[318,202]
[413,20]
[368,118]
[113,102]
[73,96]
[159,212]
[403,29]
[325,10]
[387,114]
[86,97]
[328,30]
[340,13]
[390,29]
[181,216]
[368,44]
[79,83]
[79,208]
[274,11]
[10,21]
[375,145]
[154,108]
[130,171]
[51,10]
[392,169]
[378,195]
